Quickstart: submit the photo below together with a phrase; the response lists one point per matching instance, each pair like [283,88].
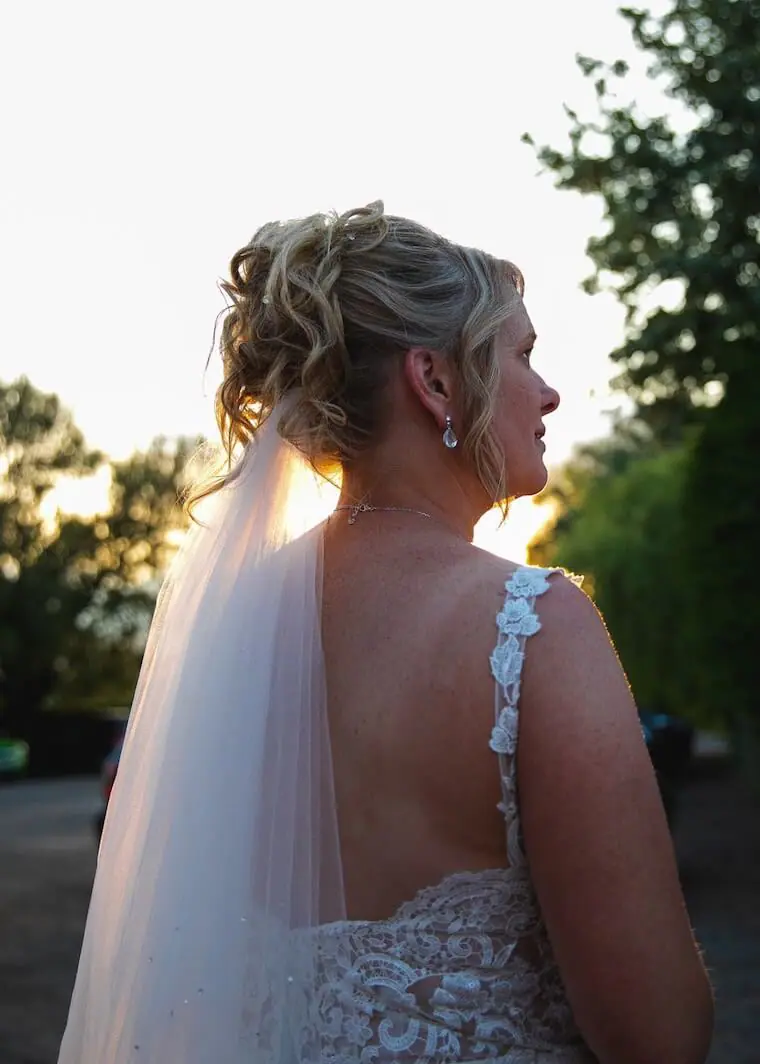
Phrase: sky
[143,143]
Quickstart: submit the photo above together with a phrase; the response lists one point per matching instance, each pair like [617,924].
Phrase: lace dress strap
[516,622]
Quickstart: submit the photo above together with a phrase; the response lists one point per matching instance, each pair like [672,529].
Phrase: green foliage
[569,486]
[722,516]
[76,594]
[668,538]
[624,533]
[681,205]
[41,589]
[38,442]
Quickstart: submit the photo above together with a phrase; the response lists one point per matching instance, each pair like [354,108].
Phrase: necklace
[364,508]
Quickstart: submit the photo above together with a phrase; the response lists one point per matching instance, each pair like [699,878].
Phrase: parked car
[14,758]
[108,772]
[670,742]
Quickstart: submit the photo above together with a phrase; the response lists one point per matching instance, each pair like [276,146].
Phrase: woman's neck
[439,494]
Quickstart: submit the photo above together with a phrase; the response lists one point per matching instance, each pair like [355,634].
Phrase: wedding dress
[463,971]
[217,930]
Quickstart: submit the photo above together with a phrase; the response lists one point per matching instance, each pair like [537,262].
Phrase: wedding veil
[221,841]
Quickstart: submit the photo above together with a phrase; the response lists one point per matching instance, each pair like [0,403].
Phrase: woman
[322,845]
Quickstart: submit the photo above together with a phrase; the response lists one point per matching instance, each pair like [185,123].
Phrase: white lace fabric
[464,971]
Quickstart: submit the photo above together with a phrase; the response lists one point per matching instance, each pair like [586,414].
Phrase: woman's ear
[430,377]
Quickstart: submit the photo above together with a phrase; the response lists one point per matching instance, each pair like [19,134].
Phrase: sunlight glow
[524,520]
[78,496]
[88,496]
[313,501]
[150,212]
[153,185]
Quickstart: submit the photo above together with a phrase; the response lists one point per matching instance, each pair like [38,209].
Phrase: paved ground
[718,842]
[47,859]
[37,817]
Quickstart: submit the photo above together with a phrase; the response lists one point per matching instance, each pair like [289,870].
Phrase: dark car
[14,758]
[108,772]
[670,742]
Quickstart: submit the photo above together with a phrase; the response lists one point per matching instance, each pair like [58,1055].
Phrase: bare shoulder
[481,581]
[595,833]
[598,844]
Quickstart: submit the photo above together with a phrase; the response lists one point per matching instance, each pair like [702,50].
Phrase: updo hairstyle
[321,307]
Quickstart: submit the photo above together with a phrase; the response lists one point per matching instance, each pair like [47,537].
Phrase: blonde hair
[319,309]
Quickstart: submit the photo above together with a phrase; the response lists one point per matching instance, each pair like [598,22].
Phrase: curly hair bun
[319,307]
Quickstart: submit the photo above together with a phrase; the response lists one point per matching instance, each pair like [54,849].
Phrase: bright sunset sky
[143,143]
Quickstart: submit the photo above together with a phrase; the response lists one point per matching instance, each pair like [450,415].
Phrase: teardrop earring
[450,438]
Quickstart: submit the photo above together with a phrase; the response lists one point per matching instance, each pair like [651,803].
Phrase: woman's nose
[551,400]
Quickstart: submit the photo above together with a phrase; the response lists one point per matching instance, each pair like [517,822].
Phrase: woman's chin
[531,483]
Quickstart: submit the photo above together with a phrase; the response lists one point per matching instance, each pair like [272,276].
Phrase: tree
[624,536]
[76,593]
[679,206]
[722,514]
[136,539]
[39,599]
[682,206]
[570,485]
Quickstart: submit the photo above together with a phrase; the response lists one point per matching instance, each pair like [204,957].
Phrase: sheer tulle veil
[220,848]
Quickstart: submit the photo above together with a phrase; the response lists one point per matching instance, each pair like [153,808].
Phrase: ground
[47,857]
[718,843]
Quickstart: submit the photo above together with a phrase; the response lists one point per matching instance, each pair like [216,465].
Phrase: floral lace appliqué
[516,622]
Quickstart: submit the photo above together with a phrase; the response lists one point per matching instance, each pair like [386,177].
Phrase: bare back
[408,626]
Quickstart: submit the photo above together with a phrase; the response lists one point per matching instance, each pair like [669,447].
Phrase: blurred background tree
[668,540]
[623,531]
[76,593]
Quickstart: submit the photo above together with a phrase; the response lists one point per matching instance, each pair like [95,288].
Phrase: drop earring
[450,438]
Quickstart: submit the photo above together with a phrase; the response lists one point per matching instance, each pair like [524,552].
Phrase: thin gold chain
[364,508]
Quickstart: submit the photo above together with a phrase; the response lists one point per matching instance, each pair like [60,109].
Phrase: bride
[384,796]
